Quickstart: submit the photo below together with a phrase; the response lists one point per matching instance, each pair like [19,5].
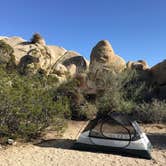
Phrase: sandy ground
[57,152]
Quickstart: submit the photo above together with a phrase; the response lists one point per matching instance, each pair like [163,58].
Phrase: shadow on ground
[57,143]
[69,145]
[158,140]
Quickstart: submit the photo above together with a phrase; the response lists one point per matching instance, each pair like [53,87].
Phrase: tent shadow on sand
[57,143]
[158,141]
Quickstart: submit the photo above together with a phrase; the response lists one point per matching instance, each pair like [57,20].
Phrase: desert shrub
[62,105]
[152,112]
[36,37]
[27,106]
[127,93]
[5,49]
[85,111]
[80,108]
[120,92]
[135,87]
[7,58]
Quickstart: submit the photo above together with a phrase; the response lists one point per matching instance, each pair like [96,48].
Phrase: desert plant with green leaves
[80,108]
[5,49]
[150,112]
[7,57]
[123,92]
[27,106]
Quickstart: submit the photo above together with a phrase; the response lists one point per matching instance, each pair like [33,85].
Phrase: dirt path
[57,152]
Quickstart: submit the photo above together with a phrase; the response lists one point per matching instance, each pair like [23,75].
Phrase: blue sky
[135,28]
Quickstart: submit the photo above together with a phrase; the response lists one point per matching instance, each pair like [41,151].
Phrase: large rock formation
[35,56]
[30,57]
[159,73]
[158,76]
[73,58]
[103,59]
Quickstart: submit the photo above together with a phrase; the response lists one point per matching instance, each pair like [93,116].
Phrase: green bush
[127,93]
[27,106]
[5,49]
[120,93]
[85,111]
[152,112]
[80,108]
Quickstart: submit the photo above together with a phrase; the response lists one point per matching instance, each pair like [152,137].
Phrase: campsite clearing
[56,151]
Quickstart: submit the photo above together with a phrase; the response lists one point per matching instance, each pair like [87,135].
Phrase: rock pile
[30,57]
[35,56]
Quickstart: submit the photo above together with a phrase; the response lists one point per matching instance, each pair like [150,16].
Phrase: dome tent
[115,133]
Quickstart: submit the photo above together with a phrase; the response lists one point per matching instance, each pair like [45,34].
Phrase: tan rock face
[60,70]
[72,69]
[31,57]
[38,57]
[102,52]
[14,43]
[159,73]
[73,58]
[103,59]
[138,65]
